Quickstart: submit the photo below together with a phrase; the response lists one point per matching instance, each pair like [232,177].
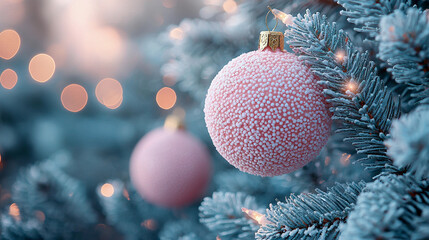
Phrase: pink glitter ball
[266,114]
[170,168]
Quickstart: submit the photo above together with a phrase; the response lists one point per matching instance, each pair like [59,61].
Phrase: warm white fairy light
[14,211]
[149,224]
[177,33]
[340,56]
[287,19]
[345,159]
[351,87]
[256,216]
[107,190]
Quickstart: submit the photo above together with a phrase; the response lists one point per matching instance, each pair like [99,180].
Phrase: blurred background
[83,80]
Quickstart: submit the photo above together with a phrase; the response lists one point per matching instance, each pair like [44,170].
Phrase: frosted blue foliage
[13,229]
[184,230]
[359,99]
[366,14]
[311,216]
[46,188]
[266,189]
[404,45]
[128,212]
[387,209]
[222,214]
[422,226]
[409,143]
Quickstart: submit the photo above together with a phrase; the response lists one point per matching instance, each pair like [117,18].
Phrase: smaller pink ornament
[170,168]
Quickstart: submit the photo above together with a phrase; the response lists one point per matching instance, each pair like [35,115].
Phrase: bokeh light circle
[107,190]
[9,43]
[166,98]
[229,6]
[8,78]
[177,33]
[41,67]
[74,97]
[109,93]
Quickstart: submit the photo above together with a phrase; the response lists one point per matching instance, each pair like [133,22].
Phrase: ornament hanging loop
[271,39]
[266,19]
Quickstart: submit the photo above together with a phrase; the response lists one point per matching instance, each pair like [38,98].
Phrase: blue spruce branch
[222,214]
[311,216]
[387,209]
[128,212]
[16,229]
[404,45]
[44,189]
[359,98]
[409,143]
[422,226]
[366,14]
[267,189]
[184,230]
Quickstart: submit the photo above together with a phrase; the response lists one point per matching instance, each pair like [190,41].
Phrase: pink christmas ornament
[170,168]
[265,112]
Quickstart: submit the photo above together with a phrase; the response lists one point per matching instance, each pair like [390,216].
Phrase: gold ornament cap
[272,40]
[175,121]
[269,38]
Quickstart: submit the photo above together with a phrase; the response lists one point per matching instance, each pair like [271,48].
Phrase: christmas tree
[65,151]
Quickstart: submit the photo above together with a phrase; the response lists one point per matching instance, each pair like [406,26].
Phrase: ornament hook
[266,19]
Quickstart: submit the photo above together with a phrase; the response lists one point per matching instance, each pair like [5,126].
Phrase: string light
[41,67]
[256,216]
[40,215]
[176,33]
[8,78]
[149,224]
[107,190]
[287,19]
[74,97]
[327,161]
[14,211]
[345,159]
[166,98]
[340,56]
[109,92]
[9,43]
[126,194]
[351,87]
[229,6]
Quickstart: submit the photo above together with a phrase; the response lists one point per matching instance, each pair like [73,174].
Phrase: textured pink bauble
[170,168]
[266,113]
